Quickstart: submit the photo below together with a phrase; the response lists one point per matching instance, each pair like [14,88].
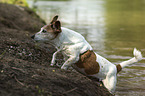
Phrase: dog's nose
[32,36]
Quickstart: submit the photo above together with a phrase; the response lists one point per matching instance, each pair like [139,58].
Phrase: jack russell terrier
[81,55]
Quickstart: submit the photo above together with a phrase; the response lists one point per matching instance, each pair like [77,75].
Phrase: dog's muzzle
[32,36]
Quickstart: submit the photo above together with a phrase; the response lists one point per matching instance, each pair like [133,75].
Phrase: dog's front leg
[69,62]
[54,58]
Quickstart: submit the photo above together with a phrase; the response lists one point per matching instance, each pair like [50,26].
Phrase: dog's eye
[51,26]
[44,31]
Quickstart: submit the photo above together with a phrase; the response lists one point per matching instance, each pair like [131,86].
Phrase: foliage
[16,2]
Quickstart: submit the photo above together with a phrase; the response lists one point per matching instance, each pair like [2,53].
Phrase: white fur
[72,44]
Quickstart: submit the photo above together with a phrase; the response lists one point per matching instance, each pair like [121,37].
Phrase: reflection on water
[112,27]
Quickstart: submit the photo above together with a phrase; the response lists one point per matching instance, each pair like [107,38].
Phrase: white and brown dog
[81,55]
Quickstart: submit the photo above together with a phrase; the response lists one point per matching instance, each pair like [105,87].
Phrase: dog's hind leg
[71,60]
[110,81]
[137,57]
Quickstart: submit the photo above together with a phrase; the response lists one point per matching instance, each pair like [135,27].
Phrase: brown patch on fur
[119,68]
[54,19]
[88,62]
[54,26]
[48,28]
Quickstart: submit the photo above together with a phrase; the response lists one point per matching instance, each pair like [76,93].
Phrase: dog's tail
[137,57]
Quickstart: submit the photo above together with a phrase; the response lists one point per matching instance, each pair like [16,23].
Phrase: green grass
[15,2]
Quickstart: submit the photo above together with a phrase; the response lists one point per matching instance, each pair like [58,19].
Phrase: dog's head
[48,32]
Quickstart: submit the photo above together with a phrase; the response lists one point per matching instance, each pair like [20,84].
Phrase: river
[112,27]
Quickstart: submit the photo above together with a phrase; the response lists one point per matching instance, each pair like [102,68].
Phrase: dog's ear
[57,26]
[54,19]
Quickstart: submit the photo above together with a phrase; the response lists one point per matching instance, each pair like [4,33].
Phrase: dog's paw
[64,68]
[52,64]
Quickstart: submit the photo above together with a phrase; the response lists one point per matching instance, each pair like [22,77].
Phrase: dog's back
[72,38]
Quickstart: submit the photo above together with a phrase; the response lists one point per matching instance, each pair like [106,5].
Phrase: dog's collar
[86,52]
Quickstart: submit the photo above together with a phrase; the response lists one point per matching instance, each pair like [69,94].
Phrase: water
[112,27]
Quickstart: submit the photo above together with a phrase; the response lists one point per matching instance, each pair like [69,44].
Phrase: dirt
[24,64]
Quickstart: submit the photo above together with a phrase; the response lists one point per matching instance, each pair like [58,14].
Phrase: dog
[81,55]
